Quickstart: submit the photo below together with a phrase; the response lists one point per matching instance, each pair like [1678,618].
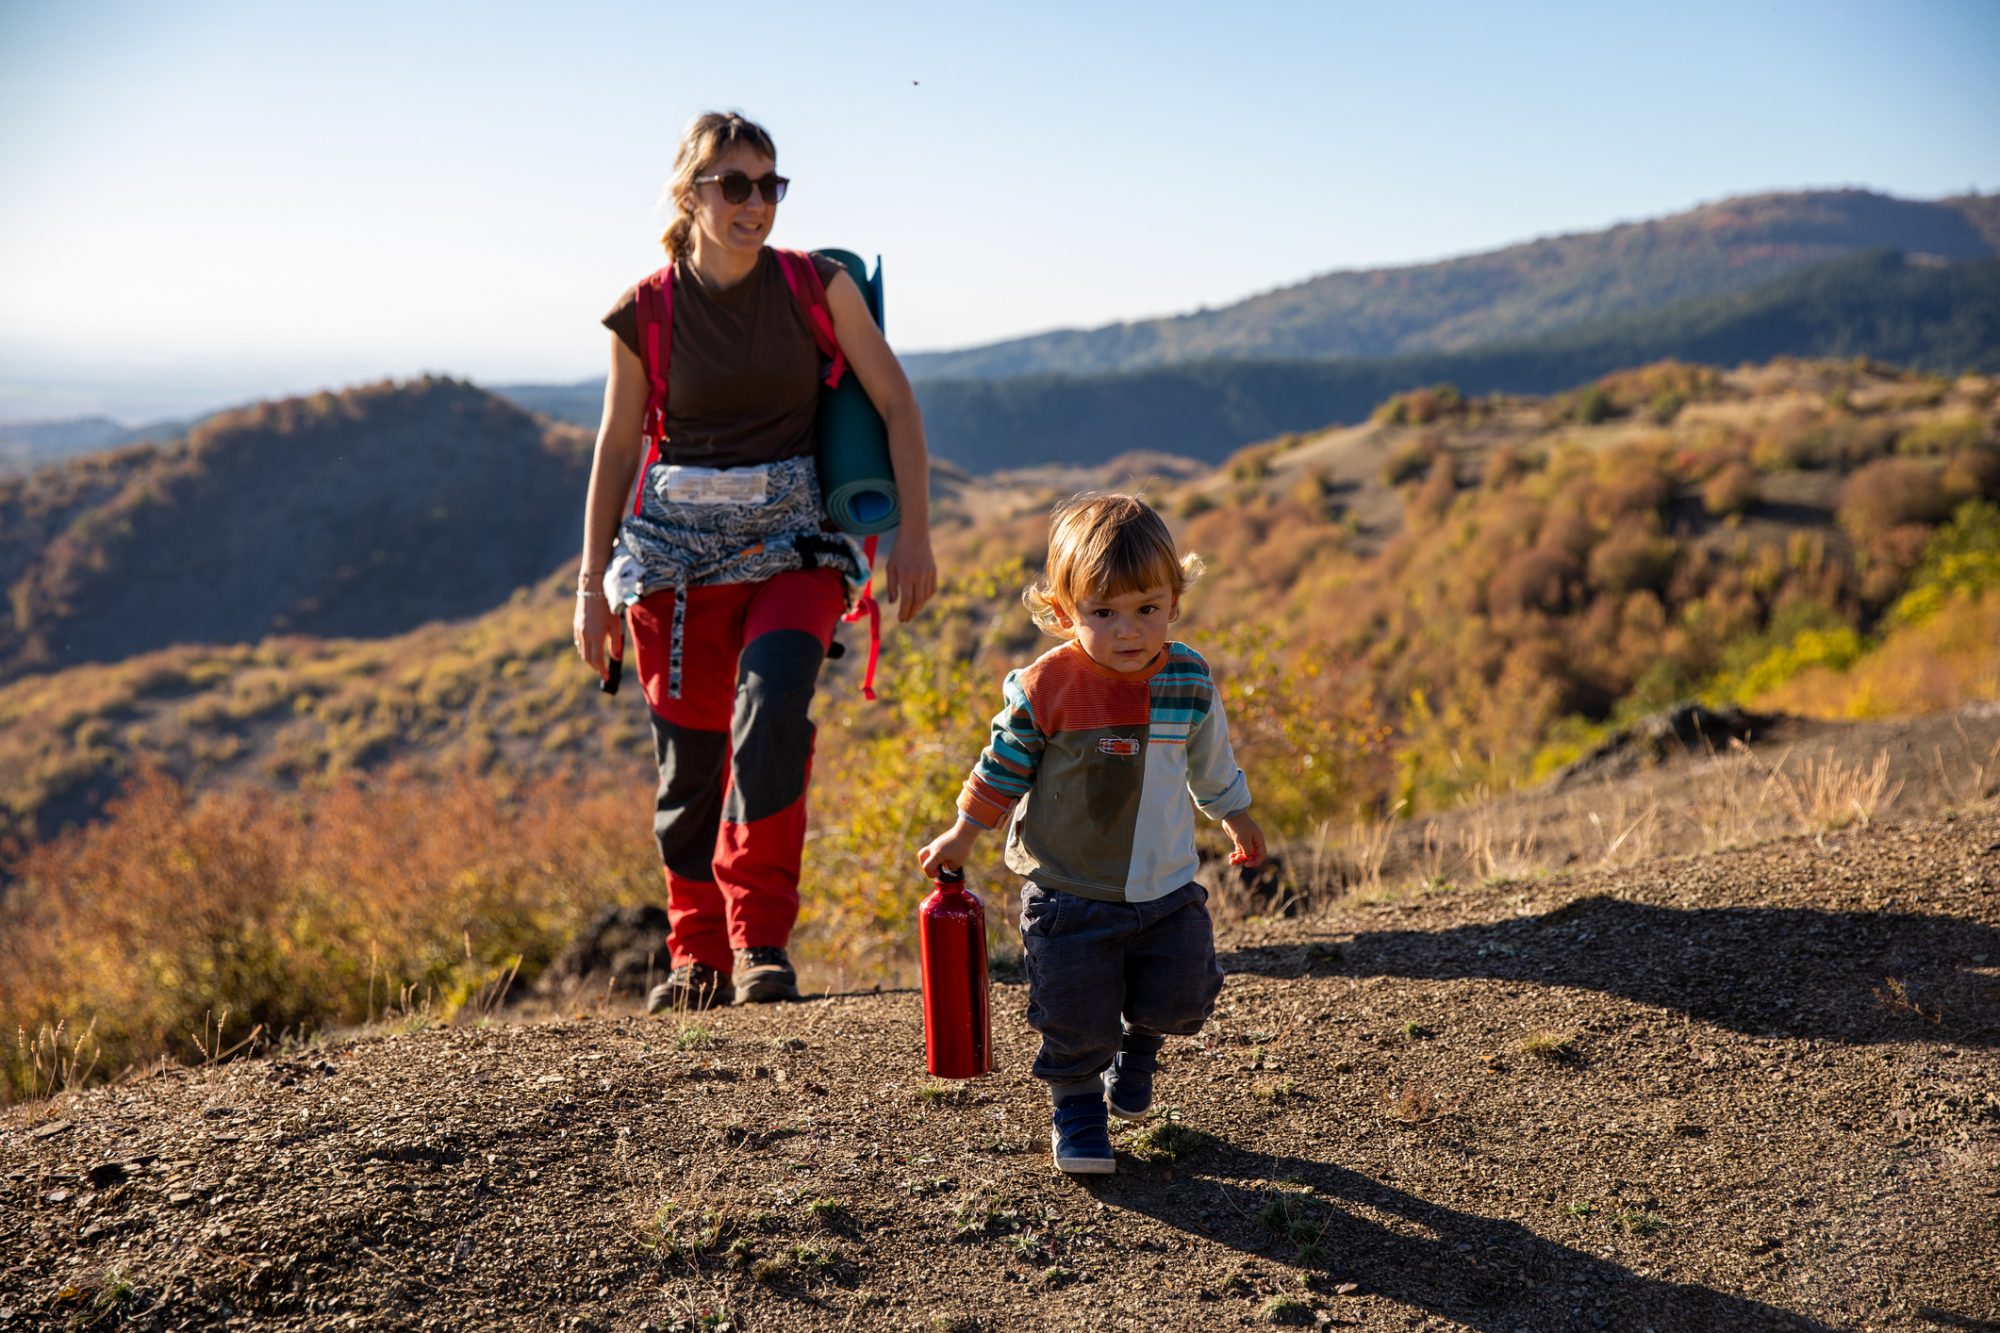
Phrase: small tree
[1732,490]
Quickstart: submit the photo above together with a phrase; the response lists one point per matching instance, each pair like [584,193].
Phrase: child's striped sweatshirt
[1101,764]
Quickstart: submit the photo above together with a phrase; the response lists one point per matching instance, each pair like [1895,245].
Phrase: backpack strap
[807,289]
[866,605]
[656,345]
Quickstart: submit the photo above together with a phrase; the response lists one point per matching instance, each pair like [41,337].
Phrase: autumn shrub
[1891,493]
[1793,440]
[1304,730]
[1630,481]
[1420,407]
[1567,529]
[1504,465]
[1411,459]
[323,907]
[1311,492]
[1429,501]
[1733,489]
[1973,474]
[1539,579]
[1630,558]
[1252,464]
[1470,732]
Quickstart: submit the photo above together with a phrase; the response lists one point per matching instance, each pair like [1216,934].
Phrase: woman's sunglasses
[736,186]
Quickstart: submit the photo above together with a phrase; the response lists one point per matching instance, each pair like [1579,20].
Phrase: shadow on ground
[1486,1273]
[1855,977]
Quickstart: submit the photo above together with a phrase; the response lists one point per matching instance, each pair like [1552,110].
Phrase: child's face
[1127,631]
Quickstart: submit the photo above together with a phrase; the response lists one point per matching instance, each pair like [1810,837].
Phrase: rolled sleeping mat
[855,476]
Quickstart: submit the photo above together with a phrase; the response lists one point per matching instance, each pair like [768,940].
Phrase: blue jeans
[1096,969]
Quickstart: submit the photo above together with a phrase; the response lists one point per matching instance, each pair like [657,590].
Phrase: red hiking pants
[735,754]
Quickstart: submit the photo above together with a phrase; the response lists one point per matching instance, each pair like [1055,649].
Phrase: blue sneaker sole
[1079,1166]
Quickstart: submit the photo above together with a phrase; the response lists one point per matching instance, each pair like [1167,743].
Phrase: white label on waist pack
[714,486]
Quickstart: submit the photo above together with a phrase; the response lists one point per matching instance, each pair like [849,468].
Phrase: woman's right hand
[596,632]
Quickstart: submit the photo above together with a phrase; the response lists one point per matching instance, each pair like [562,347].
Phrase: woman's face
[741,228]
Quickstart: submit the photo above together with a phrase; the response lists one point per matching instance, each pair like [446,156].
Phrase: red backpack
[656,341]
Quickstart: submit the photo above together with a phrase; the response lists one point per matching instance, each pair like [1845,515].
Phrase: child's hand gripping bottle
[958,1026]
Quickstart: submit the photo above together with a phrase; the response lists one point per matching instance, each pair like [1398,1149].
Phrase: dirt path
[1758,1089]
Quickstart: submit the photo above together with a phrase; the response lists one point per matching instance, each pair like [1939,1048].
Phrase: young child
[1094,755]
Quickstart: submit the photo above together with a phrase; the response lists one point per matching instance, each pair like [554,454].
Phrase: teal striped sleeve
[1006,768]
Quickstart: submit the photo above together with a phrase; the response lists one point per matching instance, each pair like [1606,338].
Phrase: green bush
[1962,557]
[1942,435]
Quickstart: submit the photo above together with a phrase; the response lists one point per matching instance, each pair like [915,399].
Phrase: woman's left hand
[911,575]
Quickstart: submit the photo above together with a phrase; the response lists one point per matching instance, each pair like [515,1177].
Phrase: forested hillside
[1505,295]
[362,513]
[1881,305]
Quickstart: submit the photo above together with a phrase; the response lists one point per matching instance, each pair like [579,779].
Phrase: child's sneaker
[1081,1138]
[1128,1083]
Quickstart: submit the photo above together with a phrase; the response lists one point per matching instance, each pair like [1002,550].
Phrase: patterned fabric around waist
[680,545]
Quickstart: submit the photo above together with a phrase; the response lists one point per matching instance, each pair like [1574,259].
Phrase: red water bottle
[958,1026]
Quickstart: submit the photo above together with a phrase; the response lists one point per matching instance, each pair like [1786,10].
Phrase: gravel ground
[1755,1089]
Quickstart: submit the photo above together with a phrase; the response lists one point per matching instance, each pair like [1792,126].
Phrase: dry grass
[55,1060]
[1553,1047]
[1415,1104]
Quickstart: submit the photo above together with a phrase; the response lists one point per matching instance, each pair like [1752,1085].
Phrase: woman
[729,653]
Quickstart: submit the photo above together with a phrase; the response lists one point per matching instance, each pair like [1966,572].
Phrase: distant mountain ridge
[1521,291]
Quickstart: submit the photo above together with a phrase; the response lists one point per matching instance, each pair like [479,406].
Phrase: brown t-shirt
[743,375]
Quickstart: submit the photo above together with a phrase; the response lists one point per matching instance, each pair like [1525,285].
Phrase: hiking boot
[765,974]
[1128,1083]
[1081,1137]
[689,986]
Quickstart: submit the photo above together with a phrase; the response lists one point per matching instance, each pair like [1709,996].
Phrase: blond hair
[1104,545]
[707,137]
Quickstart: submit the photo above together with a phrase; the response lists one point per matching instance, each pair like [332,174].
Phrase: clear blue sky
[208,200]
